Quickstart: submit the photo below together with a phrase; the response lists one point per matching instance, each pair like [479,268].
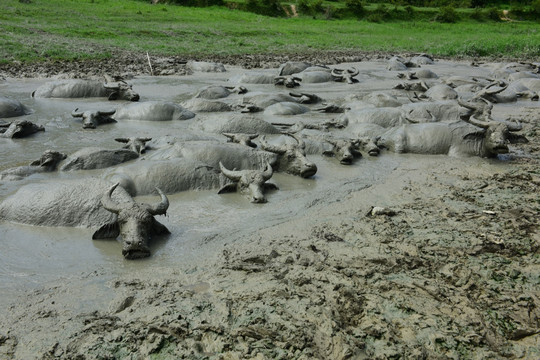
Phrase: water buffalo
[256,78]
[171,176]
[418,74]
[97,158]
[46,163]
[286,108]
[345,150]
[91,119]
[291,157]
[205,66]
[422,59]
[346,75]
[203,105]
[289,81]
[306,98]
[293,67]
[12,108]
[135,144]
[251,183]
[19,129]
[454,139]
[316,76]
[244,139]
[89,203]
[213,92]
[212,152]
[237,123]
[152,111]
[86,88]
[441,92]
[385,116]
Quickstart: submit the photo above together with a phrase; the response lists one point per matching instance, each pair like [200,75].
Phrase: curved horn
[514,126]
[161,207]
[144,139]
[106,113]
[253,136]
[266,146]
[111,86]
[231,174]
[108,202]
[301,142]
[267,173]
[354,71]
[335,73]
[76,113]
[464,104]
[122,140]
[472,120]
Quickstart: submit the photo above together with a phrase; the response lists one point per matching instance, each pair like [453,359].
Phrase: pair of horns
[157,209]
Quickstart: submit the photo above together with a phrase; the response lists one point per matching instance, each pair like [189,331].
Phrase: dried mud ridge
[131,64]
[451,272]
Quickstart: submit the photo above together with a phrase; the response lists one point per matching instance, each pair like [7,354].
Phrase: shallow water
[32,256]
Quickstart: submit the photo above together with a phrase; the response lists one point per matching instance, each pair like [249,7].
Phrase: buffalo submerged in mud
[334,265]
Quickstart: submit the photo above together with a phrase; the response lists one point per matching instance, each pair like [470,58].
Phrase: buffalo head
[120,90]
[305,98]
[237,89]
[344,150]
[134,222]
[345,75]
[291,157]
[135,144]
[495,135]
[91,119]
[49,159]
[19,129]
[369,145]
[251,183]
[289,81]
[243,139]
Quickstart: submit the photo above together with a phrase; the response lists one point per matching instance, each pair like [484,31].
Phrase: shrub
[197,3]
[478,14]
[410,11]
[355,7]
[265,7]
[493,14]
[447,14]
[375,17]
[304,7]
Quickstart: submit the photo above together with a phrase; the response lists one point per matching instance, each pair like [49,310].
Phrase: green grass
[95,29]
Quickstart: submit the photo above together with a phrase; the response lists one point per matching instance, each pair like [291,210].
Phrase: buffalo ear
[328,153]
[517,139]
[114,95]
[475,135]
[159,229]
[228,188]
[107,231]
[270,186]
[356,152]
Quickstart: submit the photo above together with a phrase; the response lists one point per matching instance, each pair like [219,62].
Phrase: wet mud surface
[399,256]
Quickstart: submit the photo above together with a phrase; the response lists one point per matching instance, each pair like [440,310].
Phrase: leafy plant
[447,14]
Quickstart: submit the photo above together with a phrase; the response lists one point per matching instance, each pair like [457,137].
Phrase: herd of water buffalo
[423,113]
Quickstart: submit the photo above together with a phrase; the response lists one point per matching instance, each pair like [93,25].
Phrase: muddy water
[200,222]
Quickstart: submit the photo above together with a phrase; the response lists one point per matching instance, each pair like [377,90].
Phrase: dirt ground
[439,260]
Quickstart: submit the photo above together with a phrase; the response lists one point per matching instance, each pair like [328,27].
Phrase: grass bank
[93,29]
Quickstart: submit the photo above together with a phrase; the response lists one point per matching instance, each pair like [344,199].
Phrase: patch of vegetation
[447,14]
[63,29]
